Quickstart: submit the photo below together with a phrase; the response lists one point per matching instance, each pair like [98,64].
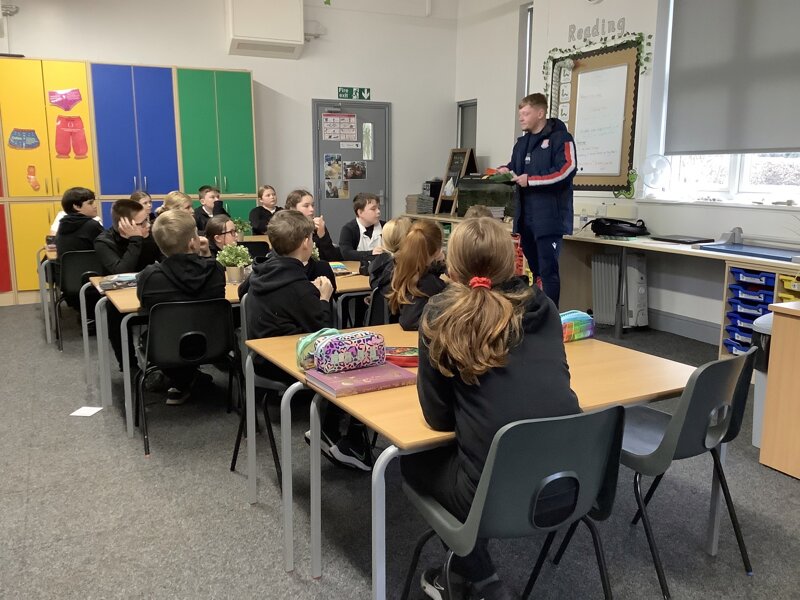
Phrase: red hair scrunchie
[477,282]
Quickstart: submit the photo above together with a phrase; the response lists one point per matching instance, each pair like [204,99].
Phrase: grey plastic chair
[526,458]
[262,383]
[709,413]
[75,268]
[378,309]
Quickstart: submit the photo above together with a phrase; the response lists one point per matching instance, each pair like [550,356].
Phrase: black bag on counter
[617,227]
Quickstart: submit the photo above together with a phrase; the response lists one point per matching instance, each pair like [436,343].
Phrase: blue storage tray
[740,306]
[743,322]
[743,336]
[740,291]
[761,278]
[735,347]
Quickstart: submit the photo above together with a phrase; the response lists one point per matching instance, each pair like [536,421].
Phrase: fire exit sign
[354,93]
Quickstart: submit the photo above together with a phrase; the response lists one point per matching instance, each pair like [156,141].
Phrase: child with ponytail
[490,353]
[417,269]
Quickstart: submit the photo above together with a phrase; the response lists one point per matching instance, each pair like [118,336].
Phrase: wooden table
[349,288]
[127,303]
[396,414]
[780,443]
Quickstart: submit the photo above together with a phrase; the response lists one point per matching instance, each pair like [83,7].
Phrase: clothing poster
[339,127]
[64,99]
[333,166]
[355,169]
[23,139]
[337,188]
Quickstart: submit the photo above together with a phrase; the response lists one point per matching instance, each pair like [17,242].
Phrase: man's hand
[325,287]
[377,250]
[319,223]
[128,229]
[503,170]
[521,180]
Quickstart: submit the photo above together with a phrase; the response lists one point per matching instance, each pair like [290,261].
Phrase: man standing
[543,162]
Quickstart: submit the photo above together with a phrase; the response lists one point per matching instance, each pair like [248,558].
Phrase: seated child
[382,268]
[176,200]
[145,200]
[183,275]
[267,206]
[303,201]
[417,269]
[220,232]
[210,205]
[478,210]
[282,301]
[360,238]
[517,371]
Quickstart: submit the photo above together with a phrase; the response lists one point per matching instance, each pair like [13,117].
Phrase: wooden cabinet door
[30,223]
[5,260]
[24,128]
[117,155]
[199,136]
[69,125]
[155,129]
[236,143]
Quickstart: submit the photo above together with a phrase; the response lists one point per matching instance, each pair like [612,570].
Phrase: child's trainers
[325,443]
[432,582]
[356,456]
[176,396]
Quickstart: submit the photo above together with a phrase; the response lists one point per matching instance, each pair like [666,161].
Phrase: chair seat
[644,431]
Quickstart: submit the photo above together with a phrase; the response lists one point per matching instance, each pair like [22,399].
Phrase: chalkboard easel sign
[460,163]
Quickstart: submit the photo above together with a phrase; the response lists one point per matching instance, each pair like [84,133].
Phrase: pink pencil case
[348,351]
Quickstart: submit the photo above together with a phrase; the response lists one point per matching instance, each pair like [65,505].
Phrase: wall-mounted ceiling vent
[267,28]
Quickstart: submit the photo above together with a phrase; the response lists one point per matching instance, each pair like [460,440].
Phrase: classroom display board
[594,93]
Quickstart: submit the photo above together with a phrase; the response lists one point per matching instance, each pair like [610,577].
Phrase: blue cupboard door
[155,126]
[115,127]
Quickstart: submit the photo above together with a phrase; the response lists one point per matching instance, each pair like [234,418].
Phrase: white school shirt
[365,243]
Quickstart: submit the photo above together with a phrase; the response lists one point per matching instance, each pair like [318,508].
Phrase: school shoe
[325,443]
[176,396]
[432,582]
[347,453]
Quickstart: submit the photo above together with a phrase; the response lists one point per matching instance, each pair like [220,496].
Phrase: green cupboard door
[236,143]
[199,136]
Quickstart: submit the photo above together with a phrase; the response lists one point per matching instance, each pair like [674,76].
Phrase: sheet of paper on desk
[86,411]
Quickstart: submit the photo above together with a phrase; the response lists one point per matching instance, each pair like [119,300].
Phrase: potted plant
[234,258]
[243,228]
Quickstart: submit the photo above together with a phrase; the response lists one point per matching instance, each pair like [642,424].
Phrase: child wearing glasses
[221,232]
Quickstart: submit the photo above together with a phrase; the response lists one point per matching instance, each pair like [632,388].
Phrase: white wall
[408,61]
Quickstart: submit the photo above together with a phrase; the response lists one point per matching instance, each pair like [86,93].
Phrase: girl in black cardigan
[267,207]
[490,353]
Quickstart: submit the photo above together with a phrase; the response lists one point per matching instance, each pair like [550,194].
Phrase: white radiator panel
[605,274]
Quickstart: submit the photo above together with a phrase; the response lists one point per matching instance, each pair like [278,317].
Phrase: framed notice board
[596,97]
[460,163]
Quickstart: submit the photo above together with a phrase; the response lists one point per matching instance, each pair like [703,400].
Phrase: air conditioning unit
[605,280]
[266,28]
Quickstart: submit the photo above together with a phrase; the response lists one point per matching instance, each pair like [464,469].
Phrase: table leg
[126,373]
[41,268]
[715,510]
[379,521]
[87,354]
[286,458]
[250,407]
[316,513]
[103,350]
[619,316]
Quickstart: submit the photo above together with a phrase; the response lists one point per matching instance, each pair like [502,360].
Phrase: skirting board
[702,331]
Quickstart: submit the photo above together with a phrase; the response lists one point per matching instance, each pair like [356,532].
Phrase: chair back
[256,249]
[193,333]
[711,407]
[75,269]
[378,311]
[544,473]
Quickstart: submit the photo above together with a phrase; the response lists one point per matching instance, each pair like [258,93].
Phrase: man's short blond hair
[534,100]
[287,230]
[173,231]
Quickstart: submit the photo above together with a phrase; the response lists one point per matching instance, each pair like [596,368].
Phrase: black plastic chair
[75,269]
[709,413]
[186,334]
[527,461]
[263,383]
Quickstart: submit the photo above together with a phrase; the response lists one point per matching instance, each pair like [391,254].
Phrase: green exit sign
[354,93]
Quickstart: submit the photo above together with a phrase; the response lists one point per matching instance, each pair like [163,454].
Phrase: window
[758,178]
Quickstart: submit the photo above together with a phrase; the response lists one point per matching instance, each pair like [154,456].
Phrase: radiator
[605,271]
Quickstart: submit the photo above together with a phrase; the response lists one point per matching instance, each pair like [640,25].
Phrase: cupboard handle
[135,187]
[215,181]
[46,186]
[145,183]
[58,185]
[225,182]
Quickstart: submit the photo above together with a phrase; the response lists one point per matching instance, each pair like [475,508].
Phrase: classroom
[386,98]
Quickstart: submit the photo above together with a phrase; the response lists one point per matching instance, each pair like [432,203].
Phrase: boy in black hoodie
[282,301]
[185,274]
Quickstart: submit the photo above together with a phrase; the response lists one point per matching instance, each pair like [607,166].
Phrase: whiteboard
[599,120]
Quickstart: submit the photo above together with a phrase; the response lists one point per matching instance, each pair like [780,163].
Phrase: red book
[360,381]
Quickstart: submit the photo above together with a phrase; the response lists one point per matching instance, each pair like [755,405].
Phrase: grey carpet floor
[85,515]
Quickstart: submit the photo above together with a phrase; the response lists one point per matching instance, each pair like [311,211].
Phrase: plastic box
[791,284]
[740,291]
[743,322]
[766,279]
[741,306]
[743,336]
[735,347]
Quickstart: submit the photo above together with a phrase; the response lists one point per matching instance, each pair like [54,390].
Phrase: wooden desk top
[786,308]
[602,375]
[346,284]
[256,238]
[126,301]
